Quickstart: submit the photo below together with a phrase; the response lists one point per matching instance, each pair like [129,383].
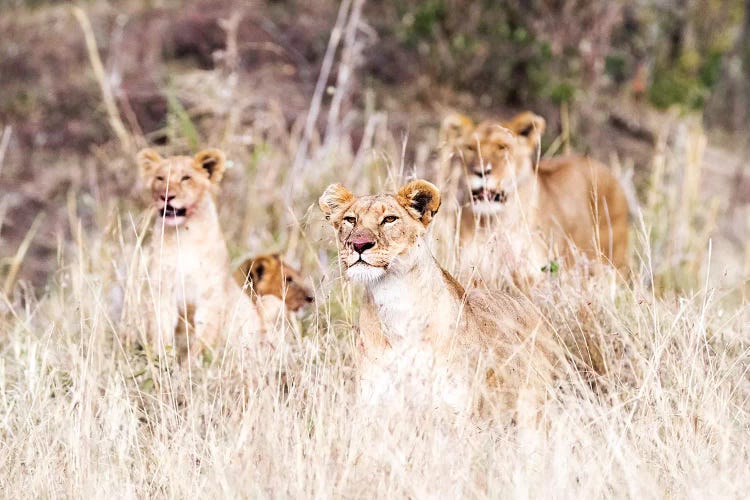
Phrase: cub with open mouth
[190,271]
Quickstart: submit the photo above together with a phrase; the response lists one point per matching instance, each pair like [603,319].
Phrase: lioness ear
[334,198]
[421,199]
[213,162]
[147,160]
[529,125]
[454,128]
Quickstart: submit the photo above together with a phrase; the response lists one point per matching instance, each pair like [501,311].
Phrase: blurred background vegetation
[609,76]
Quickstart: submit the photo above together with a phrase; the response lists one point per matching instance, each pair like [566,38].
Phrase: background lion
[524,213]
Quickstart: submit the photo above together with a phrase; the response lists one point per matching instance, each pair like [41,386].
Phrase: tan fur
[269,275]
[416,315]
[538,211]
[190,270]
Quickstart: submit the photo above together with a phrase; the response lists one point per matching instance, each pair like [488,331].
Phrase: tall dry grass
[658,405]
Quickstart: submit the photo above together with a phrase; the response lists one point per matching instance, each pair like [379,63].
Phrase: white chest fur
[416,304]
[189,263]
[418,316]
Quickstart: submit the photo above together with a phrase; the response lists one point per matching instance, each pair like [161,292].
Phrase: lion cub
[533,212]
[418,327]
[190,270]
[264,275]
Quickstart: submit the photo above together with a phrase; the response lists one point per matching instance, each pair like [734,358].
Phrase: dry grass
[86,413]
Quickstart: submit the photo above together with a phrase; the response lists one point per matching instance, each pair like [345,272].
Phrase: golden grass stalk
[113,114]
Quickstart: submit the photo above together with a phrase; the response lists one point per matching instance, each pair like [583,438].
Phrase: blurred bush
[542,51]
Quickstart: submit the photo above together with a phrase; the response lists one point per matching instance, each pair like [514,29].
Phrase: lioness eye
[388,219]
[159,178]
[185,178]
[350,219]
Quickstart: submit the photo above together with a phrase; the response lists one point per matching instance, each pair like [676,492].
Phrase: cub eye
[388,219]
[185,178]
[350,219]
[288,279]
[471,147]
[159,178]
[502,147]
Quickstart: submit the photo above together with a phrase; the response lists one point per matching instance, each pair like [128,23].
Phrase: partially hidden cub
[268,274]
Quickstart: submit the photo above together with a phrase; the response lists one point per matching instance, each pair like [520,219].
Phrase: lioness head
[377,233]
[269,275]
[178,184]
[498,157]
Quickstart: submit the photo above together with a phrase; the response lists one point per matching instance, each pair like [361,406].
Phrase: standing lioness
[417,321]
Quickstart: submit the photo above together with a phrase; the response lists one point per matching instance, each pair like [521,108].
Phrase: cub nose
[361,244]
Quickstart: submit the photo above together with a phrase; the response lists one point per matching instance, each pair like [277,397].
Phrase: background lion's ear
[421,199]
[336,197]
[213,162]
[529,125]
[147,160]
[455,128]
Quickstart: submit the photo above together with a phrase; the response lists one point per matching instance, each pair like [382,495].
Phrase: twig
[96,64]
[320,86]
[345,70]
[15,265]
[4,141]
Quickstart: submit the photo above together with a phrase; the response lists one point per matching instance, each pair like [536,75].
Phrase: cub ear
[529,125]
[213,162]
[147,160]
[335,198]
[257,270]
[243,271]
[421,199]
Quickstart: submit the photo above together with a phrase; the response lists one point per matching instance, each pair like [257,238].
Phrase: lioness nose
[361,244]
[482,169]
[168,198]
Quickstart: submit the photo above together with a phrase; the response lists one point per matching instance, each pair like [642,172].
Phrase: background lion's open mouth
[489,195]
[170,211]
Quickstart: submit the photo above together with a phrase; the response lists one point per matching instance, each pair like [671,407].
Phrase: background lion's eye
[185,178]
[389,219]
[350,219]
